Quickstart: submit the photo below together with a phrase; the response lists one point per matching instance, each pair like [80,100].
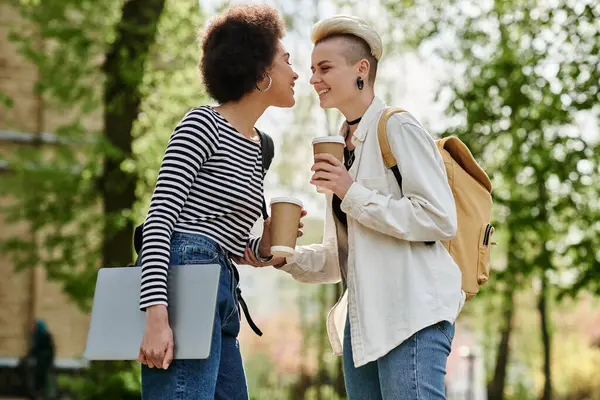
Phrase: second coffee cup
[333,145]
[285,219]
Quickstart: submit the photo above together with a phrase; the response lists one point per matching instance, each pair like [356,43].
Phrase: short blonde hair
[350,27]
[340,25]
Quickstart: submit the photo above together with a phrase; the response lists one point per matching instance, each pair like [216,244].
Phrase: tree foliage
[524,74]
[61,190]
[122,77]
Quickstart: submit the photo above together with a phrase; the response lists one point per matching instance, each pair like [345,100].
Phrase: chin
[325,104]
[287,103]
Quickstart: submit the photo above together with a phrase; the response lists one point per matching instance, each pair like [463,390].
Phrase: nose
[295,75]
[314,79]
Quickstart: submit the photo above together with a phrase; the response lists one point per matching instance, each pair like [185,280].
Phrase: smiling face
[281,93]
[336,64]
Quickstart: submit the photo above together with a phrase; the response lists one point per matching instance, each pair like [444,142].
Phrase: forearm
[316,263]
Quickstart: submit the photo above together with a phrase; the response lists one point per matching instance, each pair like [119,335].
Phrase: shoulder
[407,132]
[203,115]
[199,124]
[405,120]
[405,123]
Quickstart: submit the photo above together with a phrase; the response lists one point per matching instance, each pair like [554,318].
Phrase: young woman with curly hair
[208,195]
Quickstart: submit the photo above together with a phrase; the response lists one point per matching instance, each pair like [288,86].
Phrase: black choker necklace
[356,121]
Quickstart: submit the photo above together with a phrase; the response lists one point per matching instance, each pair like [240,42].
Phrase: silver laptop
[117,324]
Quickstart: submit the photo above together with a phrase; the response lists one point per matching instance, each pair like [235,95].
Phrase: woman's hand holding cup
[265,245]
[330,174]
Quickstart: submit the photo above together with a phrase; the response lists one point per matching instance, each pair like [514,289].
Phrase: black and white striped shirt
[210,182]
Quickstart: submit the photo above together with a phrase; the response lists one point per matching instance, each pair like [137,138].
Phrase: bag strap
[268,152]
[386,151]
[384,144]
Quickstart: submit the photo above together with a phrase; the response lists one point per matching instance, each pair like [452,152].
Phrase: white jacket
[396,284]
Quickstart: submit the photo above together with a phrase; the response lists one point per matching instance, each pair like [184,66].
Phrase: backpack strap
[386,151]
[138,236]
[268,152]
[384,144]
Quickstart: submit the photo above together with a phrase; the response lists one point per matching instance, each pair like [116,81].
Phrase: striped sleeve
[193,141]
[253,244]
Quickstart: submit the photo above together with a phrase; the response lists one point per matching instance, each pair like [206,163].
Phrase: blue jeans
[414,370]
[221,375]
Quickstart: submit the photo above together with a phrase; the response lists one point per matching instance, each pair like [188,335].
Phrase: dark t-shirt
[337,202]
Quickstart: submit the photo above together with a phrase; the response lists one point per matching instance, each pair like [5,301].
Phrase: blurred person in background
[38,364]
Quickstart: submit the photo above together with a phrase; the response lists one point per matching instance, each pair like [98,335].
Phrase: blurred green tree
[131,65]
[77,197]
[525,73]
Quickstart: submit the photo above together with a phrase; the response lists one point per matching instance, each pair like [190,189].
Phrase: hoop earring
[268,86]
[360,83]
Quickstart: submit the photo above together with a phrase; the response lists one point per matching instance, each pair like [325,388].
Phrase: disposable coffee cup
[285,218]
[333,145]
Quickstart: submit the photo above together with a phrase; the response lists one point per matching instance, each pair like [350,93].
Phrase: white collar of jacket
[374,110]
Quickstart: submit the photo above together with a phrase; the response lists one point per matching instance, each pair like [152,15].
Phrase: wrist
[264,251]
[157,314]
[264,256]
[344,191]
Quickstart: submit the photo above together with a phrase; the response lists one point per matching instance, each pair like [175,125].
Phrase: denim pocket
[447,329]
[194,254]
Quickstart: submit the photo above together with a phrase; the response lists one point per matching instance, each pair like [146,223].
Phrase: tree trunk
[546,339]
[545,264]
[496,385]
[124,71]
[498,382]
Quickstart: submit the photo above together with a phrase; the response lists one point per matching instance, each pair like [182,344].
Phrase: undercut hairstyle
[360,40]
[238,47]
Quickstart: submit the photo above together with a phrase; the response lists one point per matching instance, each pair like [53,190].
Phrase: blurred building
[27,295]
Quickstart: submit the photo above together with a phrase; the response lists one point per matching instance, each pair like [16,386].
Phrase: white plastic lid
[329,139]
[287,200]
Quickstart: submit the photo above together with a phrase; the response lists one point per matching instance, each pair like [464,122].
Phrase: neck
[243,114]
[351,130]
[356,108]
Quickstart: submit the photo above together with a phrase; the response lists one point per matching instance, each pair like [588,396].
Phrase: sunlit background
[82,133]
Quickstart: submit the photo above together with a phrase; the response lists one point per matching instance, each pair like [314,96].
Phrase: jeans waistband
[201,240]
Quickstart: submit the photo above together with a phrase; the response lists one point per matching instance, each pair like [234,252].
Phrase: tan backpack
[472,189]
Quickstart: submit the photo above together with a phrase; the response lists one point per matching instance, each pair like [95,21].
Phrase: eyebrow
[320,63]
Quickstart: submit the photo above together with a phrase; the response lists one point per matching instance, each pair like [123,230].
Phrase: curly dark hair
[237,48]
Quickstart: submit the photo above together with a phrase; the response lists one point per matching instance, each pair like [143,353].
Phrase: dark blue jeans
[414,370]
[221,376]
